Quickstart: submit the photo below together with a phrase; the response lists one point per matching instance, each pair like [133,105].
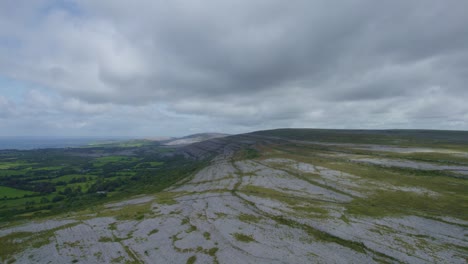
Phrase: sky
[149,68]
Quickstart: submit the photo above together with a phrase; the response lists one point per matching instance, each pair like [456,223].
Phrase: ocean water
[25,143]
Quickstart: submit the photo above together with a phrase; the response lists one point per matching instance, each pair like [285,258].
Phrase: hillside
[193,139]
[277,196]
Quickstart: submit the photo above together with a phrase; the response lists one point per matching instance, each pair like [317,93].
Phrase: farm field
[46,181]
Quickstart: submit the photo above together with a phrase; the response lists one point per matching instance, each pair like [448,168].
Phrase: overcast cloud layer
[156,67]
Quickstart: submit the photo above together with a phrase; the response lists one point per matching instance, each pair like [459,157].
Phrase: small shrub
[191,260]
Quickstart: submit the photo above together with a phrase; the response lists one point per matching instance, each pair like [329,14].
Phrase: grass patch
[185,221]
[106,239]
[14,243]
[320,235]
[68,178]
[113,159]
[7,192]
[212,251]
[128,212]
[191,229]
[10,246]
[243,238]
[220,215]
[271,194]
[154,231]
[167,198]
[387,203]
[83,186]
[12,165]
[311,210]
[248,218]
[192,259]
[151,164]
[247,153]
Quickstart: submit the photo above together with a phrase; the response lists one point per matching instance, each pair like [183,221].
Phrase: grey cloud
[215,50]
[7,108]
[249,64]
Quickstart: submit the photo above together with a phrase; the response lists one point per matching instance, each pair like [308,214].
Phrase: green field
[54,179]
[113,159]
[12,192]
[149,164]
[5,165]
[70,177]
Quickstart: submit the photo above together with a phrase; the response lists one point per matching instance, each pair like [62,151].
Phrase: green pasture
[9,192]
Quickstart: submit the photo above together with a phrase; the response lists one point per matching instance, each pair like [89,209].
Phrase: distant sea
[25,143]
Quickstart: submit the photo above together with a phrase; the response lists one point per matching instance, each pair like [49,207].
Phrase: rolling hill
[276,196]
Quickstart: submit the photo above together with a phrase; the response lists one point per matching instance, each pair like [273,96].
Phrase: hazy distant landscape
[326,195]
[25,143]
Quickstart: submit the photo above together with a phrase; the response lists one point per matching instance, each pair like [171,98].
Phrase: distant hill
[159,139]
[194,138]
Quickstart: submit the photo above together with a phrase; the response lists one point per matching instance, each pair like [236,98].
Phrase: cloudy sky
[157,67]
